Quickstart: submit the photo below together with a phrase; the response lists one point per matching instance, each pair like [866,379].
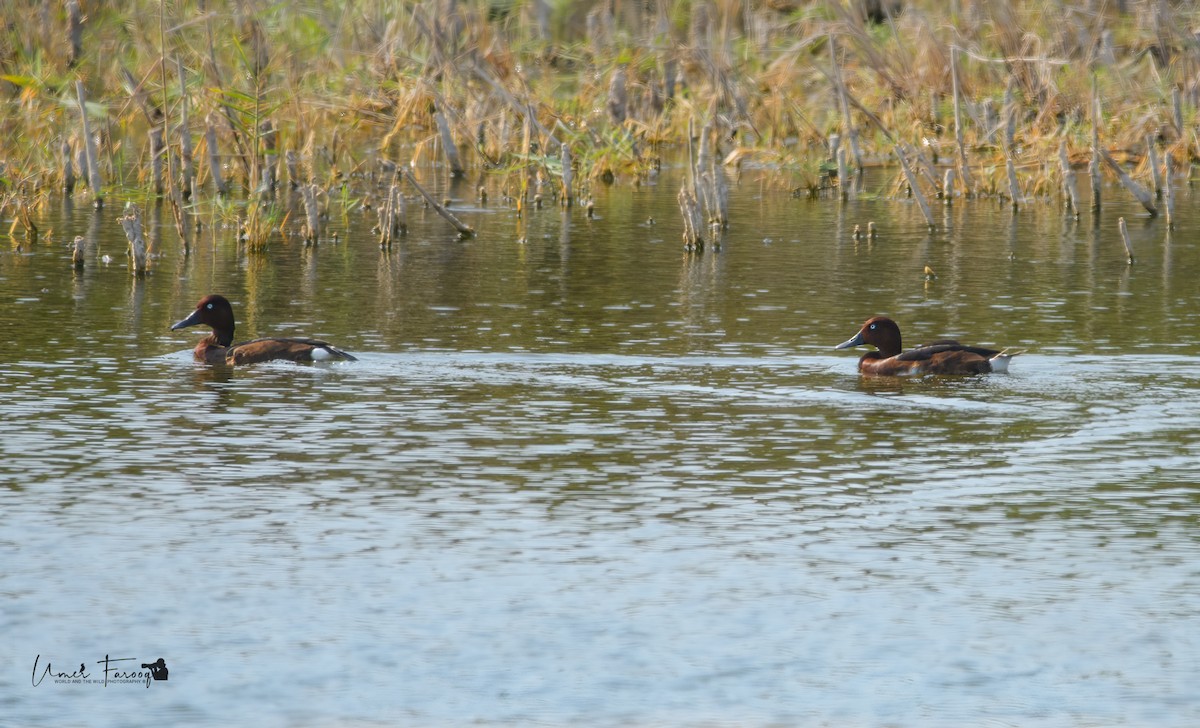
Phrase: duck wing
[288,349]
[929,351]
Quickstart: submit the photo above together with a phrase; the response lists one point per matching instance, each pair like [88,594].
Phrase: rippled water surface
[585,479]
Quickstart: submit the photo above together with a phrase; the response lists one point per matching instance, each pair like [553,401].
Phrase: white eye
[209,307]
[872,325]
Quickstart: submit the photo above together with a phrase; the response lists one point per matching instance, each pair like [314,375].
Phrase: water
[590,480]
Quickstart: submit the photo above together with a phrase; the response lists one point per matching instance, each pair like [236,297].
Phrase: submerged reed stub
[131,222]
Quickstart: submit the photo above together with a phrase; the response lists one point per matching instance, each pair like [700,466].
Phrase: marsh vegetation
[265,115]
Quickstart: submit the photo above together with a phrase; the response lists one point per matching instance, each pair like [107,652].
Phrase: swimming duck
[938,357]
[218,347]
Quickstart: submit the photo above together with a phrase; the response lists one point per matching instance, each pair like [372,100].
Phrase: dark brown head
[880,332]
[213,311]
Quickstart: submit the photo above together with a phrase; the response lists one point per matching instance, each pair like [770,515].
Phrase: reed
[131,223]
[595,90]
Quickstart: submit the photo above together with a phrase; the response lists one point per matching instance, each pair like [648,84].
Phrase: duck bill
[189,321]
[856,341]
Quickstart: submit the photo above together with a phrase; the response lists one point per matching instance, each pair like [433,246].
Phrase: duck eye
[872,327]
[209,307]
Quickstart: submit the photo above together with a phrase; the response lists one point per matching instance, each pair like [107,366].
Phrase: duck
[218,348]
[939,357]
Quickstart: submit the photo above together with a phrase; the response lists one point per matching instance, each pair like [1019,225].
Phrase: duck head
[213,311]
[880,332]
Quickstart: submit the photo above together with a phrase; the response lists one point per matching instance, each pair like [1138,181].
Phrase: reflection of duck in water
[158,670]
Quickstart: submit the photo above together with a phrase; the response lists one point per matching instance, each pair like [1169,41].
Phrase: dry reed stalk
[1125,239]
[462,228]
[292,160]
[1014,187]
[1177,110]
[77,253]
[844,101]
[523,171]
[214,158]
[568,196]
[964,168]
[89,147]
[158,152]
[1168,189]
[312,211]
[1095,163]
[1141,193]
[82,163]
[618,100]
[701,185]
[23,218]
[74,33]
[449,148]
[1070,188]
[1155,170]
[180,216]
[187,171]
[270,171]
[843,175]
[524,108]
[68,173]
[392,217]
[914,186]
[131,222]
[1010,114]
[693,221]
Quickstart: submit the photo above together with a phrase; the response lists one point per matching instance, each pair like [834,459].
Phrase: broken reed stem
[693,221]
[948,186]
[24,218]
[187,171]
[963,167]
[844,103]
[68,174]
[448,146]
[912,185]
[1070,188]
[843,175]
[392,217]
[1125,239]
[1177,110]
[462,228]
[77,253]
[292,161]
[1014,187]
[567,196]
[526,149]
[1141,193]
[270,172]
[74,32]
[89,148]
[158,152]
[1168,191]
[1155,170]
[312,212]
[131,222]
[1095,163]
[214,157]
[179,214]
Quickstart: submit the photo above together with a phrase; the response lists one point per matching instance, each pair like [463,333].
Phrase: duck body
[218,347]
[939,357]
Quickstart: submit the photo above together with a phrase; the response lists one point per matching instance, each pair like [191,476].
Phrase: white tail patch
[323,354]
[1000,361]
